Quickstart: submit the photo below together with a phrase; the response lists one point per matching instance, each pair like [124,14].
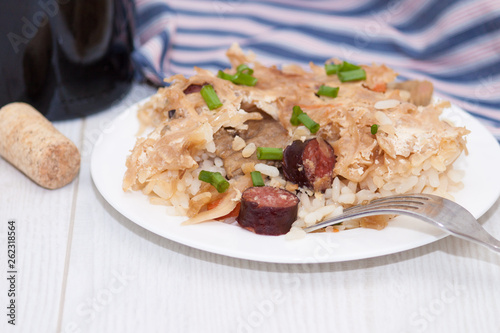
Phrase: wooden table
[82,267]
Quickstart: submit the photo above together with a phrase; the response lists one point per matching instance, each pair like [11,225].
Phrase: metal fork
[433,209]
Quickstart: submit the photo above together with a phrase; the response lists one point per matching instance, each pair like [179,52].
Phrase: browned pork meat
[263,133]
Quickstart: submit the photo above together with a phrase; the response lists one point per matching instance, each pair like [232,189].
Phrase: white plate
[482,188]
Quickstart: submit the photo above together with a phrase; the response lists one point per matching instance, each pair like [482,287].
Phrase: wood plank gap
[70,239]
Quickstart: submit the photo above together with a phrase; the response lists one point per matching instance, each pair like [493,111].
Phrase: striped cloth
[453,43]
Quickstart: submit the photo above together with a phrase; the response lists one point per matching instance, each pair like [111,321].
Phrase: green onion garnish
[374,129]
[257,178]
[269,153]
[225,76]
[244,79]
[346,71]
[243,68]
[299,116]
[331,69]
[347,66]
[295,114]
[354,75]
[243,76]
[205,176]
[308,122]
[215,179]
[328,91]
[210,97]
[219,182]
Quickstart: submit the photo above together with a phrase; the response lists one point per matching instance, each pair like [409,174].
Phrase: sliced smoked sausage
[309,164]
[268,210]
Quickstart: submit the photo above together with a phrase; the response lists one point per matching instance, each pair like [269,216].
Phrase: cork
[34,146]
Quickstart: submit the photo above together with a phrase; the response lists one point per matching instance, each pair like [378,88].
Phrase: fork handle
[478,236]
[486,240]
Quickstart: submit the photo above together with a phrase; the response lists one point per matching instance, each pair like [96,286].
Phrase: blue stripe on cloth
[165,37]
[212,32]
[147,13]
[426,17]
[477,102]
[382,44]
[148,67]
[216,65]
[471,75]
[485,119]
[224,7]
[447,44]
[303,57]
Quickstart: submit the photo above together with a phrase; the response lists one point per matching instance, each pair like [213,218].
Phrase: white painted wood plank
[42,220]
[179,289]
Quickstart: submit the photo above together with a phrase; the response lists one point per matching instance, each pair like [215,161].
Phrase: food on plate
[33,145]
[268,210]
[334,136]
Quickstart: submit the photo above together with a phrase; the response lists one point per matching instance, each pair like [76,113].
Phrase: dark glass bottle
[67,58]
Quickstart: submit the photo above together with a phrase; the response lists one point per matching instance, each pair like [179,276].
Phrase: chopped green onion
[205,176]
[299,116]
[308,122]
[240,78]
[244,79]
[257,178]
[295,113]
[219,182]
[215,179]
[328,91]
[374,129]
[347,66]
[243,68]
[225,76]
[346,71]
[354,75]
[343,67]
[210,97]
[331,69]
[269,153]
